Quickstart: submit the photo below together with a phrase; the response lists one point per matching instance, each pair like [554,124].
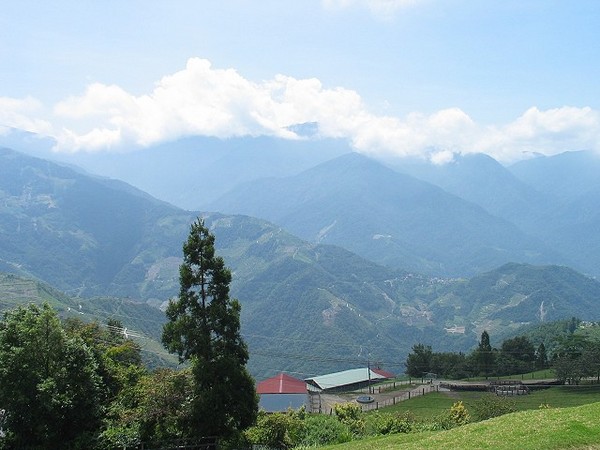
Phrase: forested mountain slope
[387,217]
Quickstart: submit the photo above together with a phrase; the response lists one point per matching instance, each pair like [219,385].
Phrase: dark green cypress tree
[204,328]
[541,358]
[484,356]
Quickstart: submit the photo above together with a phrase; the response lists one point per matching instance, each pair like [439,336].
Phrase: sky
[424,78]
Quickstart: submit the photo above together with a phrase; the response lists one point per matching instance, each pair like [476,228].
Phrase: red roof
[384,373]
[281,384]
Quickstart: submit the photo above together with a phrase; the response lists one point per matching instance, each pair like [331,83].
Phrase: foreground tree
[204,328]
[49,384]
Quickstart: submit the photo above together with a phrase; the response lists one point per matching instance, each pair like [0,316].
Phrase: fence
[209,443]
[386,386]
[407,395]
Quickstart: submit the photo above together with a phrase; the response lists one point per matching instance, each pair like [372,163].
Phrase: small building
[348,380]
[281,392]
[384,373]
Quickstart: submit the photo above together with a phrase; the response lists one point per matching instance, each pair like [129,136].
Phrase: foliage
[419,361]
[50,385]
[324,430]
[279,430]
[450,365]
[484,358]
[150,409]
[459,414]
[390,423]
[541,357]
[576,357]
[555,428]
[516,356]
[491,405]
[351,415]
[204,328]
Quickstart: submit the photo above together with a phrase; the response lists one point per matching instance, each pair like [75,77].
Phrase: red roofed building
[281,392]
[384,373]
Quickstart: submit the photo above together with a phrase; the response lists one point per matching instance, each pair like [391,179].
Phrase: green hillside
[564,428]
[520,294]
[143,321]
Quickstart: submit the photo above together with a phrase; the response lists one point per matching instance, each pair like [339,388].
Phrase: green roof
[345,378]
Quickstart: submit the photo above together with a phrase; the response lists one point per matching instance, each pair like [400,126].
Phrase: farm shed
[281,392]
[348,380]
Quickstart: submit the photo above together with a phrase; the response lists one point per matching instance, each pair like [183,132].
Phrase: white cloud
[549,132]
[18,113]
[202,100]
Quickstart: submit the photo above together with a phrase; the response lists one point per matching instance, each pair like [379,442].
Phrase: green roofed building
[348,380]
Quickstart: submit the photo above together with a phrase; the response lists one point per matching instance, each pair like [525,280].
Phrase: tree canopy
[50,386]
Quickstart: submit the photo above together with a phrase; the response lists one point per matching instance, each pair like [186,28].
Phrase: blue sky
[394,77]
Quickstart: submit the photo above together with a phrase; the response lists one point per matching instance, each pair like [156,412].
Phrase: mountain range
[308,306]
[387,217]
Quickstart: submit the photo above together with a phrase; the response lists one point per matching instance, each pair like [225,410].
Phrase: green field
[555,428]
[430,405]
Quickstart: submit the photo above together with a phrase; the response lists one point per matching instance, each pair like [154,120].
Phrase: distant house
[384,373]
[281,392]
[348,380]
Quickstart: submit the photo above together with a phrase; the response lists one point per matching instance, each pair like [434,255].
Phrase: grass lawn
[424,406]
[430,405]
[556,428]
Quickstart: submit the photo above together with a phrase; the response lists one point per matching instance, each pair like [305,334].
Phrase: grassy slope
[576,427]
[430,405]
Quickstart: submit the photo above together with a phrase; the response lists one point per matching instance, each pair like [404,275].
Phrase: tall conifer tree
[204,328]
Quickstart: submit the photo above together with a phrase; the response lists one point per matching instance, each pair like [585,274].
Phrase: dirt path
[325,402]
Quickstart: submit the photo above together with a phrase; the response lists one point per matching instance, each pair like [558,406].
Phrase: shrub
[351,415]
[324,430]
[382,423]
[440,422]
[491,405]
[459,414]
[277,430]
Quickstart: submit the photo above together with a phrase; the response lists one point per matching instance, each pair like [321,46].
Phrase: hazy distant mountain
[192,172]
[387,217]
[564,176]
[83,234]
[482,180]
[572,180]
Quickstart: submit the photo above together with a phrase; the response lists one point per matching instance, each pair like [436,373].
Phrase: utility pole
[369,373]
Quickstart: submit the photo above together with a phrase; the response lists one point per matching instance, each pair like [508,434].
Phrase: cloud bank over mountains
[203,100]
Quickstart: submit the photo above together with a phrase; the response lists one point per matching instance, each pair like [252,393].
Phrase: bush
[456,416]
[350,414]
[277,430]
[491,405]
[324,430]
[459,414]
[382,423]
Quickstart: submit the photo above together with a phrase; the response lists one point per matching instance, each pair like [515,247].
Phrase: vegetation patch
[552,428]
